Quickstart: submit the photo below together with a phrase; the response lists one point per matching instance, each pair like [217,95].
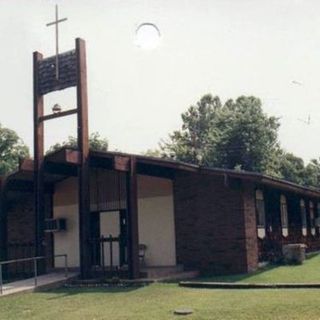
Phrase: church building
[186,217]
[134,216]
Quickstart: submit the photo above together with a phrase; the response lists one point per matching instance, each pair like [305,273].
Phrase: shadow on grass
[312,255]
[269,268]
[237,277]
[246,276]
[72,291]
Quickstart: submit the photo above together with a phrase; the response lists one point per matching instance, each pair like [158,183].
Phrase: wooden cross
[56,23]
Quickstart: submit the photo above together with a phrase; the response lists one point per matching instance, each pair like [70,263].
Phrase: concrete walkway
[50,280]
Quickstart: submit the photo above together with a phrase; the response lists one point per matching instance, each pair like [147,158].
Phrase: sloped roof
[70,159]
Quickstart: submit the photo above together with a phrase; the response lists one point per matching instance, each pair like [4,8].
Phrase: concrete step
[161,271]
[185,275]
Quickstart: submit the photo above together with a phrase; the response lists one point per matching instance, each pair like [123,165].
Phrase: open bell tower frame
[71,70]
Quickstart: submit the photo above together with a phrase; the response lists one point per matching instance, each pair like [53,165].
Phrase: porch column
[133,235]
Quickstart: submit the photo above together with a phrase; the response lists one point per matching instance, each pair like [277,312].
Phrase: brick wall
[248,192]
[20,222]
[211,233]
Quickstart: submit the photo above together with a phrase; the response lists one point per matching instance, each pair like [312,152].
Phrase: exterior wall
[211,233]
[20,232]
[249,207]
[66,206]
[21,222]
[270,247]
[156,220]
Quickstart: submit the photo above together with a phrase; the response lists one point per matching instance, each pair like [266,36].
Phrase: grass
[158,301]
[308,272]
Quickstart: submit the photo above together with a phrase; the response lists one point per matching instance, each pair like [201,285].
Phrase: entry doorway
[109,239]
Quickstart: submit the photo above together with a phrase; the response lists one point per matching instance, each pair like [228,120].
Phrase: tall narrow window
[284,215]
[312,219]
[303,217]
[260,213]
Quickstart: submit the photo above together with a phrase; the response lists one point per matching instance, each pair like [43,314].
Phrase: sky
[266,48]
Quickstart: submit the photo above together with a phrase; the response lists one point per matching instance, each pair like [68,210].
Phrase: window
[303,217]
[317,220]
[260,214]
[312,218]
[284,215]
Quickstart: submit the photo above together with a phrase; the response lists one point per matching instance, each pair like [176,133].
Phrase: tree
[292,168]
[195,141]
[235,135]
[312,173]
[156,153]
[12,149]
[96,143]
[248,138]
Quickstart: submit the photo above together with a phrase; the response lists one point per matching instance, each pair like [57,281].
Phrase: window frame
[303,215]
[260,213]
[284,215]
[312,218]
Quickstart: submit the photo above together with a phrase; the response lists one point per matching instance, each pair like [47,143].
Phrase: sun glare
[147,36]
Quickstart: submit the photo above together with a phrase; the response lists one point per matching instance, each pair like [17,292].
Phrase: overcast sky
[270,49]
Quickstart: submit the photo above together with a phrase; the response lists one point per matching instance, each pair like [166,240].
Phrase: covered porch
[109,239]
[129,227]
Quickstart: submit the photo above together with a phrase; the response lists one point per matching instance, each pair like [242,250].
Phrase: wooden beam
[39,198]
[26,165]
[26,186]
[168,164]
[65,156]
[56,172]
[83,145]
[57,115]
[72,157]
[121,163]
[133,232]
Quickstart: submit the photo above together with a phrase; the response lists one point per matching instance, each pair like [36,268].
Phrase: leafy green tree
[247,137]
[95,141]
[292,168]
[312,173]
[234,135]
[197,138]
[153,153]
[12,149]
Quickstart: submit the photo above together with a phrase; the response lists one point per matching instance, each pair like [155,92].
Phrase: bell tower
[62,71]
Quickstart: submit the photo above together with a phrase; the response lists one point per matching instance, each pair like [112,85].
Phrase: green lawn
[158,302]
[308,272]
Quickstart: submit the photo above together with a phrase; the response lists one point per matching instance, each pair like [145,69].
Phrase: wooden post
[38,160]
[83,173]
[133,235]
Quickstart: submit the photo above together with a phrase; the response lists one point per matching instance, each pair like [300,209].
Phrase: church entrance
[109,254]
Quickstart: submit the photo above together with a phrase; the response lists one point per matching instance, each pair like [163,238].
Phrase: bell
[56,108]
